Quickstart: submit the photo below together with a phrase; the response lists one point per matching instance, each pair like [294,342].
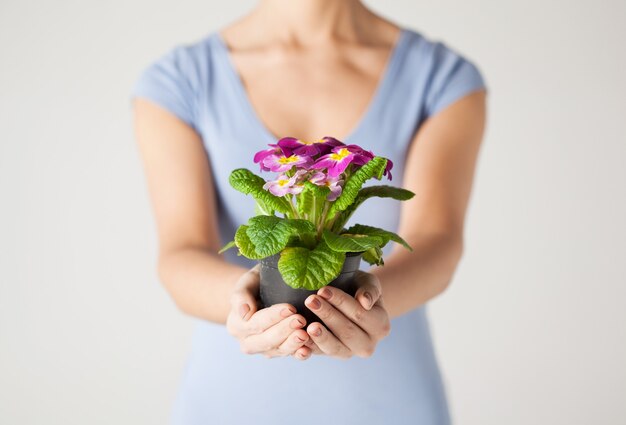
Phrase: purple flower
[285,184]
[261,155]
[361,156]
[275,149]
[301,147]
[280,163]
[321,179]
[336,162]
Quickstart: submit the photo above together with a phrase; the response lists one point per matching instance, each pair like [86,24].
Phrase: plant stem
[293,208]
[342,222]
[320,226]
[332,221]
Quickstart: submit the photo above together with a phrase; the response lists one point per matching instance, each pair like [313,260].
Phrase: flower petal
[335,191]
[319,178]
[288,144]
[340,166]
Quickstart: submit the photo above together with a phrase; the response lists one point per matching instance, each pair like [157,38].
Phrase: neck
[305,22]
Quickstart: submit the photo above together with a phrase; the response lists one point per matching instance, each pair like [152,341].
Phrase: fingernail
[296,323]
[286,312]
[317,332]
[326,293]
[300,339]
[315,303]
[369,299]
[243,310]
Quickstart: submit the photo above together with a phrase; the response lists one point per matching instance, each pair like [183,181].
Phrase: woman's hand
[273,331]
[357,324]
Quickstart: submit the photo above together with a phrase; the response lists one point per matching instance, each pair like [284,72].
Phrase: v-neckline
[385,79]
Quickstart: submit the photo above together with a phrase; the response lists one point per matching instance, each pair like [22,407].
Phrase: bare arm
[440,170]
[181,192]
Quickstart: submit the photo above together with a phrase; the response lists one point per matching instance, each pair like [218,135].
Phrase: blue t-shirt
[400,383]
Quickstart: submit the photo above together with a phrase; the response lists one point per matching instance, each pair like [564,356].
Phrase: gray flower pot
[274,290]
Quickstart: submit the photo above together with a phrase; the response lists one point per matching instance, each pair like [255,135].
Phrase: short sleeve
[454,76]
[169,82]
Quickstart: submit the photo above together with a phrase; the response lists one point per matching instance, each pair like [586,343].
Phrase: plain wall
[532,329]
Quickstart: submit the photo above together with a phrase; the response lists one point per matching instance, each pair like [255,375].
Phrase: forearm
[199,281]
[410,279]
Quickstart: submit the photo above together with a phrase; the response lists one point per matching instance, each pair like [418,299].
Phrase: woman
[309,69]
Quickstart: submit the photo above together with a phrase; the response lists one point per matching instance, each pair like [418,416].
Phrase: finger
[313,347]
[303,353]
[293,342]
[370,291]
[274,336]
[343,302]
[373,322]
[345,329]
[268,317]
[327,342]
[243,297]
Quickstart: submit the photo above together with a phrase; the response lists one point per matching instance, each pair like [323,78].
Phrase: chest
[310,94]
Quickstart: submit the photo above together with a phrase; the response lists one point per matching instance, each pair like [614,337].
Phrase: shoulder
[187,61]
[435,51]
[445,73]
[176,79]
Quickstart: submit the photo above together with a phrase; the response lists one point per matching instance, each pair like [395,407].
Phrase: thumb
[243,298]
[369,291]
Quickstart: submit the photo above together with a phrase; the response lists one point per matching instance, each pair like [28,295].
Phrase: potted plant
[298,234]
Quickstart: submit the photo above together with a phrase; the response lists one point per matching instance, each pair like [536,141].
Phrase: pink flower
[336,162]
[285,184]
[275,149]
[280,163]
[321,179]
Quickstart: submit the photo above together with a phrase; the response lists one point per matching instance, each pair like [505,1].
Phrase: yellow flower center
[343,152]
[288,159]
[283,182]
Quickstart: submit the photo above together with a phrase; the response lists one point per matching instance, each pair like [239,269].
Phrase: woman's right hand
[275,331]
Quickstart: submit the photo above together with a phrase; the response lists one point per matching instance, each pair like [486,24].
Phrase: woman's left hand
[357,324]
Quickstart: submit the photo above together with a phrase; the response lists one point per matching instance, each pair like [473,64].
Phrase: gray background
[532,330]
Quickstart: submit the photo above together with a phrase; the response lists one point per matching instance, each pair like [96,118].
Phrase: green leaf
[385,235]
[268,237]
[319,191]
[248,183]
[270,234]
[261,209]
[310,269]
[374,256]
[245,245]
[351,243]
[374,168]
[298,226]
[384,191]
[228,246]
[304,202]
[312,194]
